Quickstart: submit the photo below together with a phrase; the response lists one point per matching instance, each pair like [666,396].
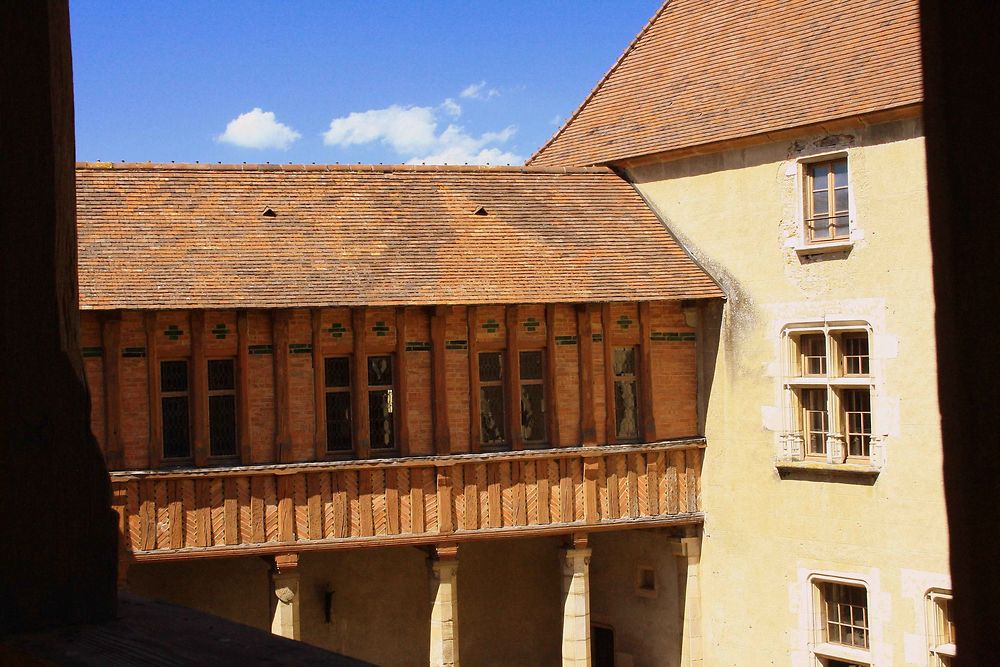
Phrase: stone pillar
[444,606]
[576,603]
[688,549]
[285,584]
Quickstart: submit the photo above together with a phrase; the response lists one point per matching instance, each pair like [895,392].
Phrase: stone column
[688,549]
[576,603]
[285,584]
[444,606]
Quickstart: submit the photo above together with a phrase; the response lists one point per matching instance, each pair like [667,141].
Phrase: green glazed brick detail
[91,351]
[220,331]
[565,340]
[688,337]
[260,349]
[134,352]
[300,348]
[173,332]
[337,330]
[673,336]
[491,325]
[597,338]
[417,346]
[456,345]
[624,321]
[658,336]
[531,325]
[380,329]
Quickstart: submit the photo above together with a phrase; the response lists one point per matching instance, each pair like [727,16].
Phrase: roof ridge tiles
[350,168]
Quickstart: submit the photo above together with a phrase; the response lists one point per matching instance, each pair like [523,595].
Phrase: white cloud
[478,91]
[258,129]
[556,120]
[412,133]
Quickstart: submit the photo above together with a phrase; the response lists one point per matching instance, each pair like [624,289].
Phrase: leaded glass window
[626,394]
[532,383]
[222,407]
[492,430]
[845,614]
[337,377]
[175,409]
[381,416]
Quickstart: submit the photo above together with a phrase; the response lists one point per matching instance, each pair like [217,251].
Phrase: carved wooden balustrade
[197,512]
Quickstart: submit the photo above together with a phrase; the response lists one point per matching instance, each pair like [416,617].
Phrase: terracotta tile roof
[708,71]
[195,236]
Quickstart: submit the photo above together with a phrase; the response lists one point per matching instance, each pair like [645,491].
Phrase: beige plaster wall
[739,213]
[647,628]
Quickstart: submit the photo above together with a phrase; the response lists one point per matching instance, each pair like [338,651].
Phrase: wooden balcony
[201,512]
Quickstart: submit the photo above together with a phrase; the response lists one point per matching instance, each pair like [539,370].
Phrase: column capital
[285,564]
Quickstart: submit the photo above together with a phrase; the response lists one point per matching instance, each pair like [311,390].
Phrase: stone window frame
[836,384]
[940,627]
[823,651]
[804,245]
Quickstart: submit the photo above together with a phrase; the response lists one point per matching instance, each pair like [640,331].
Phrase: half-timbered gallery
[324,391]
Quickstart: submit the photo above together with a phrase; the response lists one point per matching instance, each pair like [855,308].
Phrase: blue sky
[337,81]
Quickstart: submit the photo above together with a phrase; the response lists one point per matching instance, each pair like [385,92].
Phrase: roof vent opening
[480,211]
[268,212]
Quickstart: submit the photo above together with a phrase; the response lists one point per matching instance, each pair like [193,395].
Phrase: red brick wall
[673,368]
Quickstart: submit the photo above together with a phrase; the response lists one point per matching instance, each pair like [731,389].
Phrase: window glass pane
[533,412]
[842,226]
[821,203]
[490,366]
[819,229]
[626,413]
[337,372]
[847,614]
[222,425]
[840,173]
[173,376]
[858,421]
[221,374]
[176,427]
[379,371]
[856,359]
[380,418]
[813,348]
[531,365]
[491,415]
[820,174]
[338,421]
[624,361]
[840,200]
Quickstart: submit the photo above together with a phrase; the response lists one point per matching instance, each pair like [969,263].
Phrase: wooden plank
[380,514]
[359,386]
[483,488]
[134,518]
[638,466]
[520,495]
[176,514]
[244,427]
[647,418]
[652,486]
[282,403]
[495,500]
[300,500]
[286,509]
[218,512]
[444,500]
[271,519]
[475,421]
[555,491]
[661,482]
[405,501]
[506,492]
[111,340]
[203,513]
[585,359]
[189,502]
[431,511]
[471,492]
[258,533]
[161,496]
[147,516]
[530,481]
[566,492]
[614,508]
[417,498]
[579,496]
[244,502]
[231,510]
[392,501]
[153,387]
[692,460]
[513,380]
[544,491]
[401,397]
[609,376]
[341,504]
[314,506]
[439,376]
[199,389]
[590,500]
[602,489]
[319,385]
[673,481]
[457,475]
[552,377]
[632,485]
[325,492]
[365,503]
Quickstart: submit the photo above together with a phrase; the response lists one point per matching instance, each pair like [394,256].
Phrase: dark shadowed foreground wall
[57,562]
[959,43]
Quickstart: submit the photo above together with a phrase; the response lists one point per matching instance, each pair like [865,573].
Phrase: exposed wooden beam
[153,386]
[475,423]
[359,388]
[646,373]
[552,375]
[111,340]
[401,381]
[585,350]
[282,404]
[439,373]
[199,389]
[319,386]
[512,383]
[243,424]
[609,376]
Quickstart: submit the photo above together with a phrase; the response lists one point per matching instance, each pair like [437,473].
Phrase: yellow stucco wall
[739,213]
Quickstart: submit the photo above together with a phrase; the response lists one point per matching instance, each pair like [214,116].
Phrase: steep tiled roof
[708,71]
[195,236]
